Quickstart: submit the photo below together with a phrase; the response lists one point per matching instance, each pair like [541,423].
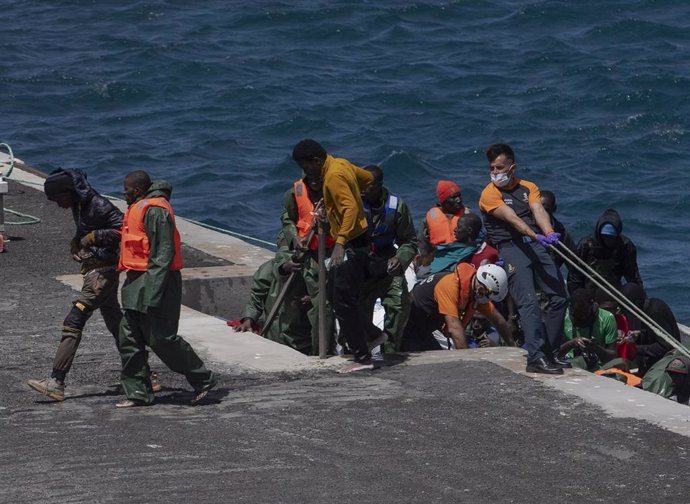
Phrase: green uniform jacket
[157,286]
[405,234]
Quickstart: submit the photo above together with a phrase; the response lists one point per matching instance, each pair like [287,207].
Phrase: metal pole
[323,336]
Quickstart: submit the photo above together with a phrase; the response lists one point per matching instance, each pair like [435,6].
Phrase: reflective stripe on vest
[305,219]
[383,235]
[441,227]
[135,247]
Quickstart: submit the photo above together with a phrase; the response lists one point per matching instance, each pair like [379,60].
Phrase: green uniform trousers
[395,299]
[310,274]
[158,331]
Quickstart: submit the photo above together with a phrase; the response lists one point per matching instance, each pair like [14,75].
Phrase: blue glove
[543,240]
[549,240]
[500,262]
[553,238]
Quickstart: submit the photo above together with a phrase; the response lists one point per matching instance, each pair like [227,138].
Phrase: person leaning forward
[514,218]
[152,295]
[343,183]
[448,300]
[95,246]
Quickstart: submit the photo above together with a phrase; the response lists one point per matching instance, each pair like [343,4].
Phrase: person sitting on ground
[609,252]
[290,325]
[390,225]
[467,247]
[590,332]
[548,201]
[650,346]
[448,301]
[95,246]
[438,228]
[679,372]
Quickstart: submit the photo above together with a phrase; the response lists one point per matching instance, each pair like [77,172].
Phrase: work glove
[549,240]
[88,239]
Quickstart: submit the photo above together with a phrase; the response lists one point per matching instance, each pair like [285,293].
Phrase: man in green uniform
[298,202]
[152,295]
[290,326]
[390,224]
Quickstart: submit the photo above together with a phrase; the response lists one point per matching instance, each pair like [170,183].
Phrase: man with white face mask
[515,220]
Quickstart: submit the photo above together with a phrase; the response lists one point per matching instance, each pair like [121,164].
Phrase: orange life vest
[630,379]
[135,247]
[441,227]
[305,218]
[465,272]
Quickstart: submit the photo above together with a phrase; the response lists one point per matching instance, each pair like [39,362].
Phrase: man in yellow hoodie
[343,183]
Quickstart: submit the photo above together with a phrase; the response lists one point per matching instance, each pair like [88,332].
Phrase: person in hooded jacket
[151,257]
[609,252]
[95,246]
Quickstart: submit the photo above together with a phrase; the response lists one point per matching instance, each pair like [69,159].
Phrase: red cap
[445,189]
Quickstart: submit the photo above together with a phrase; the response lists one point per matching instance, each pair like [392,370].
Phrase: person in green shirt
[590,332]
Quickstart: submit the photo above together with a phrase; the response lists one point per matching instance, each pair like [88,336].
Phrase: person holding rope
[519,227]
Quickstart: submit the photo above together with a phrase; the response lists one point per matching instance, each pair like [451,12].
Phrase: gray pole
[323,340]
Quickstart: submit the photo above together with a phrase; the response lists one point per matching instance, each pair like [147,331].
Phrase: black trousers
[345,291]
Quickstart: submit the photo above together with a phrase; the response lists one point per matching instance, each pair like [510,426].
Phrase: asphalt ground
[448,432]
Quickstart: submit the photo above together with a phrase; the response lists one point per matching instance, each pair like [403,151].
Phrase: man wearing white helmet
[447,301]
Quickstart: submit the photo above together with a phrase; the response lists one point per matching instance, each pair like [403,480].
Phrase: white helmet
[494,278]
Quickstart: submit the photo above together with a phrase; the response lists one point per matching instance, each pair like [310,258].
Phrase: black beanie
[58,182]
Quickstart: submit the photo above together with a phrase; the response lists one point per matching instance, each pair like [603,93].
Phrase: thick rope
[601,282]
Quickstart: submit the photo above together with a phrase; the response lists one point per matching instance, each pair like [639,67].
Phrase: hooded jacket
[619,261]
[95,214]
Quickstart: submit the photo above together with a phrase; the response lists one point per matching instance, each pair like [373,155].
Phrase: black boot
[560,362]
[541,365]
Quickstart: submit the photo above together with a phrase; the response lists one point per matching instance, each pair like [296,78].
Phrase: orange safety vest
[465,272]
[441,227]
[305,217]
[630,379]
[135,247]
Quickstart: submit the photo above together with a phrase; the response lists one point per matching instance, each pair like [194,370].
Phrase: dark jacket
[94,213]
[614,263]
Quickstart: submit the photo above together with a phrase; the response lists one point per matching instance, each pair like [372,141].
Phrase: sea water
[213,95]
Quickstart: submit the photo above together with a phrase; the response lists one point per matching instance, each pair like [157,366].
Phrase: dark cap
[58,182]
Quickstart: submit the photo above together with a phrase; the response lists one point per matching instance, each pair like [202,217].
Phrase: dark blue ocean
[593,95]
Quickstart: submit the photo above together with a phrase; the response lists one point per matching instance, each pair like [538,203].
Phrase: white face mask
[500,179]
